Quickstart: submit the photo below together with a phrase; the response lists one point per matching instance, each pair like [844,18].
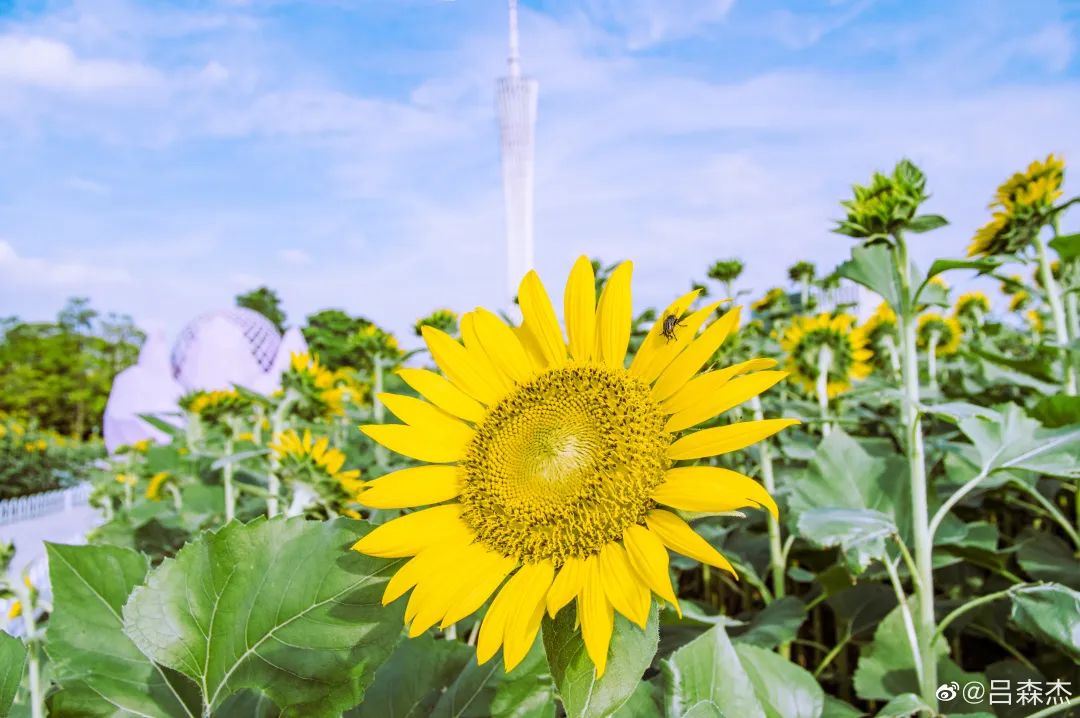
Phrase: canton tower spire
[515,98]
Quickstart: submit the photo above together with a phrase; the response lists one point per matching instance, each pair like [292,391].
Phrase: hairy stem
[776,552]
[1057,311]
[824,365]
[917,463]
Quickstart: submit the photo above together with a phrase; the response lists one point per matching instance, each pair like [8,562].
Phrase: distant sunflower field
[792,509]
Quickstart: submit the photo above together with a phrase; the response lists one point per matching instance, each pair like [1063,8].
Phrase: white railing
[49,502]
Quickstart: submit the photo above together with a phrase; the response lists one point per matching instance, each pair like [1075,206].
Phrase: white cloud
[647,22]
[40,273]
[294,256]
[50,64]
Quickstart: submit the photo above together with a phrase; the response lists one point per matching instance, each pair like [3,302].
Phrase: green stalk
[1059,708]
[917,462]
[970,605]
[914,640]
[33,653]
[227,480]
[277,425]
[894,356]
[1053,296]
[377,409]
[824,365]
[931,361]
[776,552]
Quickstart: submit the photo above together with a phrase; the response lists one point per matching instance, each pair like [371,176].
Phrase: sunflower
[776,298]
[883,337]
[306,454]
[153,488]
[972,305]
[948,333]
[556,461]
[1022,205]
[850,356]
[1035,321]
[1019,300]
[320,394]
[442,319]
[214,406]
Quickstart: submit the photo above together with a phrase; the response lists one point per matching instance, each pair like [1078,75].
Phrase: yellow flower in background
[947,329]
[971,303]
[128,479]
[317,453]
[14,610]
[142,446]
[153,489]
[772,298]
[1019,300]
[557,461]
[1035,321]
[1021,207]
[1039,185]
[802,342]
[316,384]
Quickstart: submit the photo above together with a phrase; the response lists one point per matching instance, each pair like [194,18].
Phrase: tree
[265,301]
[331,334]
[59,374]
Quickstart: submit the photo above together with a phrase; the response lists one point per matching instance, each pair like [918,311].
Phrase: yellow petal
[655,339]
[410,534]
[319,449]
[409,575]
[522,626]
[712,381]
[437,589]
[540,321]
[650,560]
[416,486]
[626,593]
[596,615]
[428,417]
[502,346]
[579,309]
[679,537]
[440,392]
[701,350]
[711,488]
[670,348]
[566,586]
[732,394]
[491,570]
[493,628]
[724,439]
[613,317]
[479,357]
[417,443]
[456,363]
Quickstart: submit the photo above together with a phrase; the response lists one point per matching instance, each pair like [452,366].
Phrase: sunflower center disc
[564,464]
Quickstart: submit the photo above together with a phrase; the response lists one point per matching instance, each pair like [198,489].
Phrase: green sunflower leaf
[412,680]
[860,533]
[99,669]
[784,689]
[706,678]
[282,606]
[1012,440]
[488,691]
[1051,613]
[630,653]
[871,266]
[926,222]
[12,665]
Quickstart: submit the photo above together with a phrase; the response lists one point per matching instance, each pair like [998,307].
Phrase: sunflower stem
[277,426]
[227,480]
[925,625]
[776,551]
[378,411]
[931,361]
[33,653]
[893,355]
[824,366]
[1053,296]
[914,640]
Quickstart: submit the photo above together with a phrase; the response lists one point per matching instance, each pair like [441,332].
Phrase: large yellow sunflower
[847,343]
[556,461]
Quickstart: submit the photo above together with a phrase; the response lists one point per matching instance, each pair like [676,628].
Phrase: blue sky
[161,157]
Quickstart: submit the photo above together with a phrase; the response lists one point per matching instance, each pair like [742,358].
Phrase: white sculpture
[291,343]
[148,387]
[225,347]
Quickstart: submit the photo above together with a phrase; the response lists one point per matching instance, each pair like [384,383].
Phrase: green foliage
[12,665]
[331,335]
[58,374]
[33,460]
[266,302]
[583,694]
[888,205]
[282,606]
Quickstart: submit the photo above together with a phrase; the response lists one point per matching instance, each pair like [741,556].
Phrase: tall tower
[515,98]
